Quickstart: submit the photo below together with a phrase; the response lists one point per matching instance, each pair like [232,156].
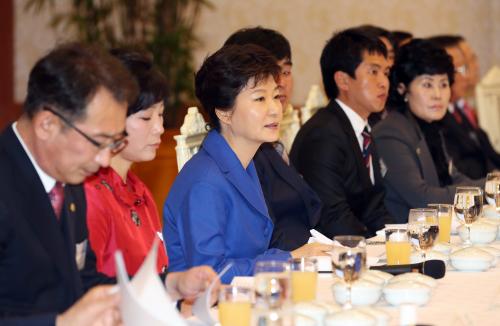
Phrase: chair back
[193,131]
[289,127]
[315,100]
[488,105]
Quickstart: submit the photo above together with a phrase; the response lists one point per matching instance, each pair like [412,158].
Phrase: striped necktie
[367,153]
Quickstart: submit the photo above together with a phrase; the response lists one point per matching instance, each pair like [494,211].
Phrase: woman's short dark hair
[419,57]
[152,83]
[225,73]
[71,74]
[269,39]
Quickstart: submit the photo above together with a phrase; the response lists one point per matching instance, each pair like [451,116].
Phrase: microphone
[433,268]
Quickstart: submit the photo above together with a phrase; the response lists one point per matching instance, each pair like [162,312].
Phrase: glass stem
[468,234]
[348,304]
[423,262]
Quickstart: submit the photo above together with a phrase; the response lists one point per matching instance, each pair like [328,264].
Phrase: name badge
[80,251]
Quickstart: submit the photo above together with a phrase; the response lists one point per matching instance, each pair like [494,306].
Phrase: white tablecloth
[461,298]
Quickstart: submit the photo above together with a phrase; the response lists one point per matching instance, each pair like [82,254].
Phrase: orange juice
[304,286]
[444,228]
[398,253]
[234,313]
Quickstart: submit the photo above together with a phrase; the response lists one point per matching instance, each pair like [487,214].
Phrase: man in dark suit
[333,150]
[293,206]
[466,142]
[73,122]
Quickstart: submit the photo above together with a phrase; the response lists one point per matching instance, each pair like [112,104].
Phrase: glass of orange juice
[445,212]
[304,275]
[235,306]
[397,244]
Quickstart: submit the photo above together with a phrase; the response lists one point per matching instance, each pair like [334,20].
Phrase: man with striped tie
[334,150]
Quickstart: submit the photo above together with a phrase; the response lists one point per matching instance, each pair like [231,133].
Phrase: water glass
[468,206]
[423,229]
[349,260]
[272,283]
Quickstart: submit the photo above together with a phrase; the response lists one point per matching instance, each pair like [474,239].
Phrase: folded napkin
[144,300]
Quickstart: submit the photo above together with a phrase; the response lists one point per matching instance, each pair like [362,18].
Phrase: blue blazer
[215,213]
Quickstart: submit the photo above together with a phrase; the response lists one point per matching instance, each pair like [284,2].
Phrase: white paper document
[144,300]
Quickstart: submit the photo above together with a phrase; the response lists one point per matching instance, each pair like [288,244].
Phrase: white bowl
[416,257]
[331,307]
[311,310]
[492,221]
[363,292]
[480,232]
[490,211]
[444,248]
[471,259]
[376,276]
[351,317]
[380,316]
[407,292]
[415,277]
[301,320]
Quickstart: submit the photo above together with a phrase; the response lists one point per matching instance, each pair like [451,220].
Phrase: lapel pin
[72,207]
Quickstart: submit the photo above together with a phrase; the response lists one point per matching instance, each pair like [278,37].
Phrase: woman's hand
[189,284]
[311,249]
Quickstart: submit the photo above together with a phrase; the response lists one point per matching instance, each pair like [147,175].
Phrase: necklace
[137,202]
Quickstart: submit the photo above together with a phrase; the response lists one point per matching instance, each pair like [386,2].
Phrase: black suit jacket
[38,270]
[470,147]
[293,206]
[326,152]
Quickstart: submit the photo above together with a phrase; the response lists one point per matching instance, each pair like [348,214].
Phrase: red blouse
[122,216]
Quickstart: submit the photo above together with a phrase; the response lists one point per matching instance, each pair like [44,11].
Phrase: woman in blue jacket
[215,213]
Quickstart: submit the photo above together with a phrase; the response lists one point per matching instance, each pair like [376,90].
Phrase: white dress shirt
[358,124]
[47,181]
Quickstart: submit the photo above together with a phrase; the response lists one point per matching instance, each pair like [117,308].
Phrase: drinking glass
[272,283]
[304,279]
[349,260]
[397,244]
[468,207]
[423,229]
[492,190]
[235,306]
[445,213]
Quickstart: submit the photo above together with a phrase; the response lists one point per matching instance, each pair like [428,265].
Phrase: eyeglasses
[462,70]
[115,145]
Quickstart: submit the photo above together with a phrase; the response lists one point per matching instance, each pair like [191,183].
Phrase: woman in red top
[121,212]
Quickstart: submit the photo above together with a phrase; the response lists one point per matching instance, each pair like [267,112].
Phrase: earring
[405,98]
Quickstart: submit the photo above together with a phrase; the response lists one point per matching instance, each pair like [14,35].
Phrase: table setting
[440,268]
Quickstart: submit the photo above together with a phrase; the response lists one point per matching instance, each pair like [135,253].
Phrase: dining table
[460,298]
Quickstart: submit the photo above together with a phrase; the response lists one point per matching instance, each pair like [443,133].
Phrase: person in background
[121,212]
[333,149]
[401,38]
[410,140]
[215,212]
[472,63]
[468,144]
[293,206]
[386,37]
